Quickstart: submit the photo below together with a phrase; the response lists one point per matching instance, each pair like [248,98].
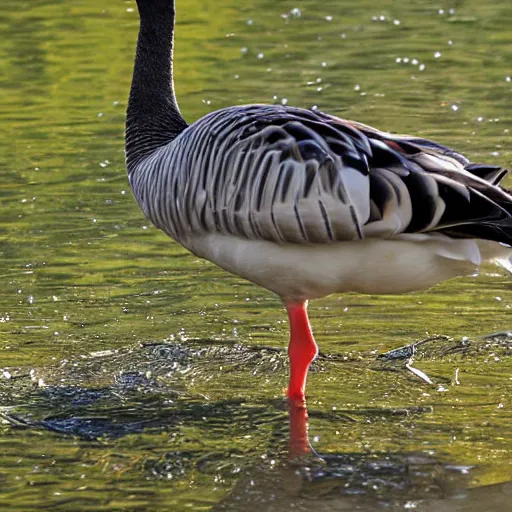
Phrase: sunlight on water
[134,376]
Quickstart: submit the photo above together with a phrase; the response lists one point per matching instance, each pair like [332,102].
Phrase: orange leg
[301,350]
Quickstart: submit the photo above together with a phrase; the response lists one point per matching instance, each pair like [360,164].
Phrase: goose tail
[506,263]
[498,253]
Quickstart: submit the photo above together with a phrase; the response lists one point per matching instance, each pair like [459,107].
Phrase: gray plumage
[286,175]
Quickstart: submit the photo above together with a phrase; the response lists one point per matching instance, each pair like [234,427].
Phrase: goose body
[305,204]
[301,202]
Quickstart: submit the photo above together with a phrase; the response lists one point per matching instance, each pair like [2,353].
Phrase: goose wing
[292,175]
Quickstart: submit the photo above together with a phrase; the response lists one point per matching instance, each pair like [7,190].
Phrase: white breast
[375,266]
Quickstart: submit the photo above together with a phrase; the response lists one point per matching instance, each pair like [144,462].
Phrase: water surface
[134,376]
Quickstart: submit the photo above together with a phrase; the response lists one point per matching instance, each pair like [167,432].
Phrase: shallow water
[134,376]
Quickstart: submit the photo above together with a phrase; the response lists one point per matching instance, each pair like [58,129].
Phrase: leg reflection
[299,442]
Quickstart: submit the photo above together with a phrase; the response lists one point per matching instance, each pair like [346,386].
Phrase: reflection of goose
[303,203]
[358,481]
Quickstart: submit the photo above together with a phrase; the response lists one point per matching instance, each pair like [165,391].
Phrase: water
[137,377]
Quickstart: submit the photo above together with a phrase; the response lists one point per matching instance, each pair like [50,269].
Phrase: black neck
[153,118]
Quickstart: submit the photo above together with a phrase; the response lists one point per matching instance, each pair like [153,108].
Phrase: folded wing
[292,175]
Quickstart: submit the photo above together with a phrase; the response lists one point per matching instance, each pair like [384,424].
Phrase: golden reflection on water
[126,360]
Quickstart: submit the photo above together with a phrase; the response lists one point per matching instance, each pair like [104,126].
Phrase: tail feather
[491,173]
[498,231]
[498,253]
[506,263]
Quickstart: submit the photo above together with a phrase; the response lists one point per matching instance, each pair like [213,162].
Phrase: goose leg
[301,350]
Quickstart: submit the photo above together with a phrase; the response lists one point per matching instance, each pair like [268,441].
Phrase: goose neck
[153,117]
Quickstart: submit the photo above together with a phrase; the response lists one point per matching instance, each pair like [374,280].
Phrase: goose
[301,202]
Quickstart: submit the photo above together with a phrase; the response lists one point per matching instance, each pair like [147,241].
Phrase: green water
[134,376]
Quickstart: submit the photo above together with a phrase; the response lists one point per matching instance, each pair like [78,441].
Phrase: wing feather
[290,175]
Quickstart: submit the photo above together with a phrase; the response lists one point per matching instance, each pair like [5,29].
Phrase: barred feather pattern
[290,175]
